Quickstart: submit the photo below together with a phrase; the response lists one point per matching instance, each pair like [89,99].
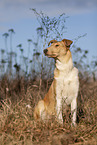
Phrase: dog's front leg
[59,110]
[73,111]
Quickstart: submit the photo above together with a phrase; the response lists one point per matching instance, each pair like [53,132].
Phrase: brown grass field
[17,126]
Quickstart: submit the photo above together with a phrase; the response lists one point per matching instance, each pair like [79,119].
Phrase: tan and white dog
[65,86]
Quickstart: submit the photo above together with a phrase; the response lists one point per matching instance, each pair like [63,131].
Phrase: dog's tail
[39,111]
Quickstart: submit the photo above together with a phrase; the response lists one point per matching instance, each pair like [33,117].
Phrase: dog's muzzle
[45,51]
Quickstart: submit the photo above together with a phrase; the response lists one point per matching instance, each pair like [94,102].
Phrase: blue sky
[16,14]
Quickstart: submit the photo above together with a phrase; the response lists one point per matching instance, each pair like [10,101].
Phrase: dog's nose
[45,51]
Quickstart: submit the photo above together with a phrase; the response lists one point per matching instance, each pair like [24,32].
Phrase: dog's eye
[57,45]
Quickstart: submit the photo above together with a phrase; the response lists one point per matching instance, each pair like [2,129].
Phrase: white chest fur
[67,85]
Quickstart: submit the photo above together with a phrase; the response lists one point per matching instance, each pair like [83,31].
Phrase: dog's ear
[52,41]
[67,42]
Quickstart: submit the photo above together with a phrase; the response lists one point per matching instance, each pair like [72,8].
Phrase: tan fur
[64,88]
[47,105]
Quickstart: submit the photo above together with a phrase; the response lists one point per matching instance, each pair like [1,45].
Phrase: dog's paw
[73,124]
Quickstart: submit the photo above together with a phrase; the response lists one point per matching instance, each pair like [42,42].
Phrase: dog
[65,85]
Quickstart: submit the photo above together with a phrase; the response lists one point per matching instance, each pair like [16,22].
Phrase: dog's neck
[62,66]
[65,63]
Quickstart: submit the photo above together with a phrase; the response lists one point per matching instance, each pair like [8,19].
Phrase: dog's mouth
[52,55]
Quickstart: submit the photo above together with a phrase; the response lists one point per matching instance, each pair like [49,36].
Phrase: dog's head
[57,48]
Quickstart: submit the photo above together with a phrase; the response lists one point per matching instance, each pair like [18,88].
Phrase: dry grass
[17,126]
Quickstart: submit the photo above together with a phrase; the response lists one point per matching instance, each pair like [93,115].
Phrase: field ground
[17,126]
